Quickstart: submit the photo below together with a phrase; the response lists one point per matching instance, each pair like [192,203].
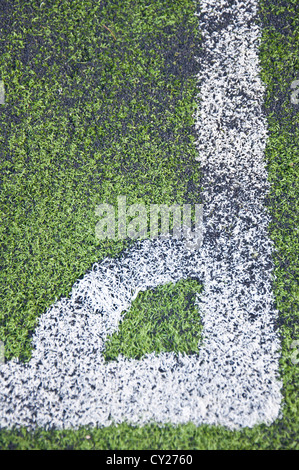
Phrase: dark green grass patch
[163,319]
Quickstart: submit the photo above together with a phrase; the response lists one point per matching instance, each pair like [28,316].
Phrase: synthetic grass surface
[103,117]
[164,319]
[87,118]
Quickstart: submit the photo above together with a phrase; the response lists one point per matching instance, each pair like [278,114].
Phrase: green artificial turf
[99,98]
[87,118]
[163,319]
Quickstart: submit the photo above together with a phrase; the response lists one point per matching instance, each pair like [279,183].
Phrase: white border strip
[233,381]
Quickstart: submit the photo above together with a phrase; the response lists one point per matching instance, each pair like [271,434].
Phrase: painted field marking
[233,380]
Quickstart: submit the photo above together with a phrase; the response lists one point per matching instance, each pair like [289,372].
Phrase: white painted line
[233,381]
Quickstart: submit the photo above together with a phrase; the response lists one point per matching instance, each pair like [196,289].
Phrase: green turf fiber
[87,118]
[92,113]
[164,319]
